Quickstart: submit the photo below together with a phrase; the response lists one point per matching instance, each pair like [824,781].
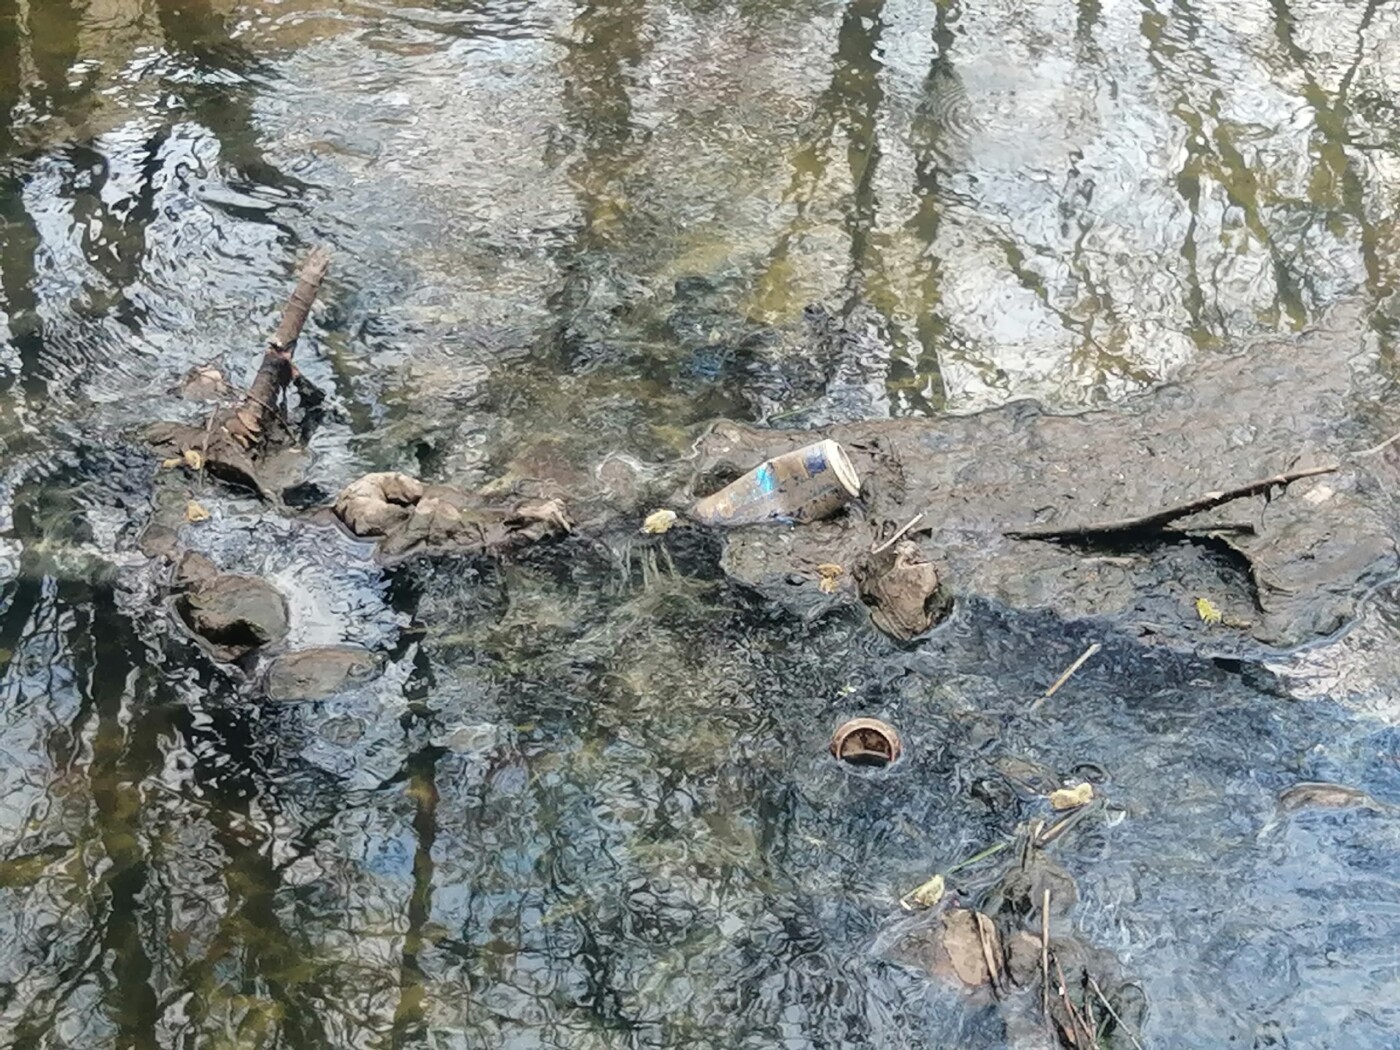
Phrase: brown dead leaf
[195,513]
[829,577]
[1072,798]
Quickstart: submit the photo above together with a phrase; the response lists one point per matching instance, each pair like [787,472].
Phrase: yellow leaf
[829,576]
[1207,611]
[194,459]
[1071,798]
[925,896]
[172,462]
[194,513]
[658,521]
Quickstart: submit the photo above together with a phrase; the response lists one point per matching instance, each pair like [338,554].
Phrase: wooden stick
[1246,528]
[906,527]
[1155,521]
[1378,448]
[1114,1013]
[250,421]
[1084,658]
[294,314]
[1075,1019]
[1045,955]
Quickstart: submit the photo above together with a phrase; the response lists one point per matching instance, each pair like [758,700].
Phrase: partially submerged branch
[235,438]
[249,423]
[1158,521]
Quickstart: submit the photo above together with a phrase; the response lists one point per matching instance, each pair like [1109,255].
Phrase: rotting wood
[1158,520]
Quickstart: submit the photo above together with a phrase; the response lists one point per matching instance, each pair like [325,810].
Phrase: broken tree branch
[234,442]
[1156,521]
[248,423]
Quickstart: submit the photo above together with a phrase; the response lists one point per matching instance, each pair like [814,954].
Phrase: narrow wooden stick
[1114,1013]
[1045,956]
[1084,658]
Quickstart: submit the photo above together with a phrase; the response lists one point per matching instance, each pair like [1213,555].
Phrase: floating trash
[866,742]
[807,484]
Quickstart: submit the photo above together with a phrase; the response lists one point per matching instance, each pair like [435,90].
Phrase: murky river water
[579,808]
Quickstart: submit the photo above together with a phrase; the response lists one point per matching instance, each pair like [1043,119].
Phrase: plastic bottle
[807,484]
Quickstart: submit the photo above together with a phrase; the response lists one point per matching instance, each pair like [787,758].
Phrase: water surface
[584,808]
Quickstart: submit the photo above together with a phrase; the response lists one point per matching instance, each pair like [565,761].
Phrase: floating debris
[193,458]
[904,590]
[658,522]
[1072,798]
[195,513]
[866,742]
[924,896]
[807,484]
[962,946]
[829,577]
[1207,611]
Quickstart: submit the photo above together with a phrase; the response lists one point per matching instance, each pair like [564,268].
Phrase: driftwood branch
[1157,521]
[235,439]
[249,422]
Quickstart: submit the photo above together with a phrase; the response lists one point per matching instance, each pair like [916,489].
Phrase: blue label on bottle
[767,481]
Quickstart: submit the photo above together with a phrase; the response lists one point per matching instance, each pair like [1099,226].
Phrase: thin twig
[1155,521]
[1044,836]
[891,541]
[1247,528]
[983,855]
[1379,448]
[1045,955]
[1114,1013]
[1075,1019]
[1084,658]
